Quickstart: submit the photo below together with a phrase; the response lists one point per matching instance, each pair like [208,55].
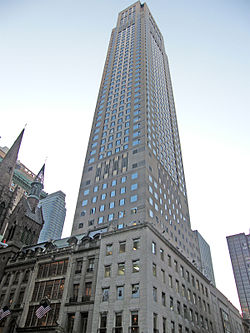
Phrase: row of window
[178,268]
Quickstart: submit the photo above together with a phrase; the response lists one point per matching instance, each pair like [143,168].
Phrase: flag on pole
[43,309]
[4,312]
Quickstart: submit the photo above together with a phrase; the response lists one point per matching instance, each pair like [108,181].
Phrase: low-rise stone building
[112,280]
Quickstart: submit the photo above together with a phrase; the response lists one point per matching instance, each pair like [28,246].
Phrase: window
[177,285]
[153,247]
[134,320]
[134,175]
[100,220]
[172,327]
[162,254]
[121,268]
[120,292]
[105,294]
[112,194]
[78,266]
[122,247]
[107,271]
[163,276]
[123,180]
[169,261]
[170,281]
[133,198]
[118,322]
[154,269]
[103,196]
[178,304]
[134,187]
[175,265]
[91,264]
[114,182]
[163,299]
[123,190]
[135,290]
[122,202]
[171,303]
[84,203]
[155,294]
[164,325]
[102,208]
[88,289]
[110,217]
[109,249]
[136,266]
[136,244]
[86,192]
[75,292]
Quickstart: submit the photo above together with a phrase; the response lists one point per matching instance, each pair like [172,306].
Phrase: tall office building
[54,212]
[239,249]
[206,258]
[133,170]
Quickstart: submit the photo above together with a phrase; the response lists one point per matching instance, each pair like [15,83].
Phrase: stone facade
[116,280]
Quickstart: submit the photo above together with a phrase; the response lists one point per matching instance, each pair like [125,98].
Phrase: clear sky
[52,54]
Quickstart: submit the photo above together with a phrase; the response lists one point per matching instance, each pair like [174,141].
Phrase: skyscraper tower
[133,169]
[54,212]
[239,249]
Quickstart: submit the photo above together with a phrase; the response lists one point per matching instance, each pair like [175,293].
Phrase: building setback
[54,212]
[239,249]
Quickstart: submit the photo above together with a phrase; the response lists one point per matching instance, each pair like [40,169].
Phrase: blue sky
[52,55]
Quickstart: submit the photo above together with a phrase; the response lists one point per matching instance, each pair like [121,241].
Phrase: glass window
[136,266]
[107,271]
[122,202]
[123,180]
[133,198]
[134,175]
[84,203]
[105,294]
[122,247]
[121,268]
[109,249]
[162,254]
[155,294]
[153,247]
[136,244]
[134,187]
[103,196]
[120,292]
[100,220]
[112,193]
[102,208]
[110,217]
[154,269]
[135,290]
[111,204]
[123,190]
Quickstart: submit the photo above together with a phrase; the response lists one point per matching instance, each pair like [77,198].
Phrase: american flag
[4,312]
[42,310]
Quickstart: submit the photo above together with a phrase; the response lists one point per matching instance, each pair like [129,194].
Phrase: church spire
[36,189]
[8,164]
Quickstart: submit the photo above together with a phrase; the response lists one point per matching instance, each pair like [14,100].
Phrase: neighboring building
[21,180]
[64,271]
[206,258]
[127,280]
[20,224]
[54,212]
[239,249]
